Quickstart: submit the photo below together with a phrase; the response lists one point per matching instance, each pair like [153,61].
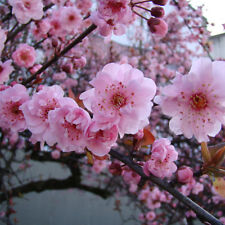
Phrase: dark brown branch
[53,184]
[62,53]
[202,214]
[7,16]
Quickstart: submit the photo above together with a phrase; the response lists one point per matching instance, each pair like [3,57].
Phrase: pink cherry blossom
[24,56]
[144,194]
[59,76]
[99,165]
[150,215]
[37,109]
[68,125]
[105,28]
[5,70]
[25,10]
[11,100]
[40,29]
[100,141]
[161,163]
[185,174]
[56,26]
[112,15]
[71,19]
[190,213]
[121,96]
[2,214]
[131,178]
[198,187]
[222,220]
[115,10]
[84,5]
[152,197]
[196,101]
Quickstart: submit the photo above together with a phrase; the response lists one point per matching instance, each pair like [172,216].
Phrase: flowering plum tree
[141,113]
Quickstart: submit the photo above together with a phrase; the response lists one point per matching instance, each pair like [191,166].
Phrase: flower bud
[158,26]
[115,168]
[185,175]
[68,68]
[160,2]
[55,42]
[157,12]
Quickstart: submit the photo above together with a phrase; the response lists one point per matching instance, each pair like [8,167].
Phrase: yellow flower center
[198,101]
[118,100]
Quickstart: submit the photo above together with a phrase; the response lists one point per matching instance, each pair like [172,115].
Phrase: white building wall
[218,46]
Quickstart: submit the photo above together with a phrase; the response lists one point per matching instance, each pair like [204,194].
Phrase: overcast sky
[214,11]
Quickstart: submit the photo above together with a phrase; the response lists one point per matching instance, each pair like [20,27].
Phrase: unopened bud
[157,12]
[54,43]
[68,68]
[185,174]
[80,63]
[158,26]
[160,2]
[115,168]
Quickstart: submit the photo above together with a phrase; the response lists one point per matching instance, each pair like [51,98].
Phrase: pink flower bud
[185,175]
[24,56]
[150,215]
[115,168]
[55,154]
[157,11]
[160,2]
[55,42]
[68,68]
[35,68]
[80,63]
[158,26]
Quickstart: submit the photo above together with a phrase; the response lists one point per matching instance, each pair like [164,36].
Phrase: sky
[214,11]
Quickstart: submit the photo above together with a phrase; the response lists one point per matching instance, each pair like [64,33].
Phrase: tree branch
[202,214]
[53,184]
[62,53]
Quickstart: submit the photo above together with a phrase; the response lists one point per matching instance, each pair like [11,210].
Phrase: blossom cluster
[161,163]
[121,94]
[114,16]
